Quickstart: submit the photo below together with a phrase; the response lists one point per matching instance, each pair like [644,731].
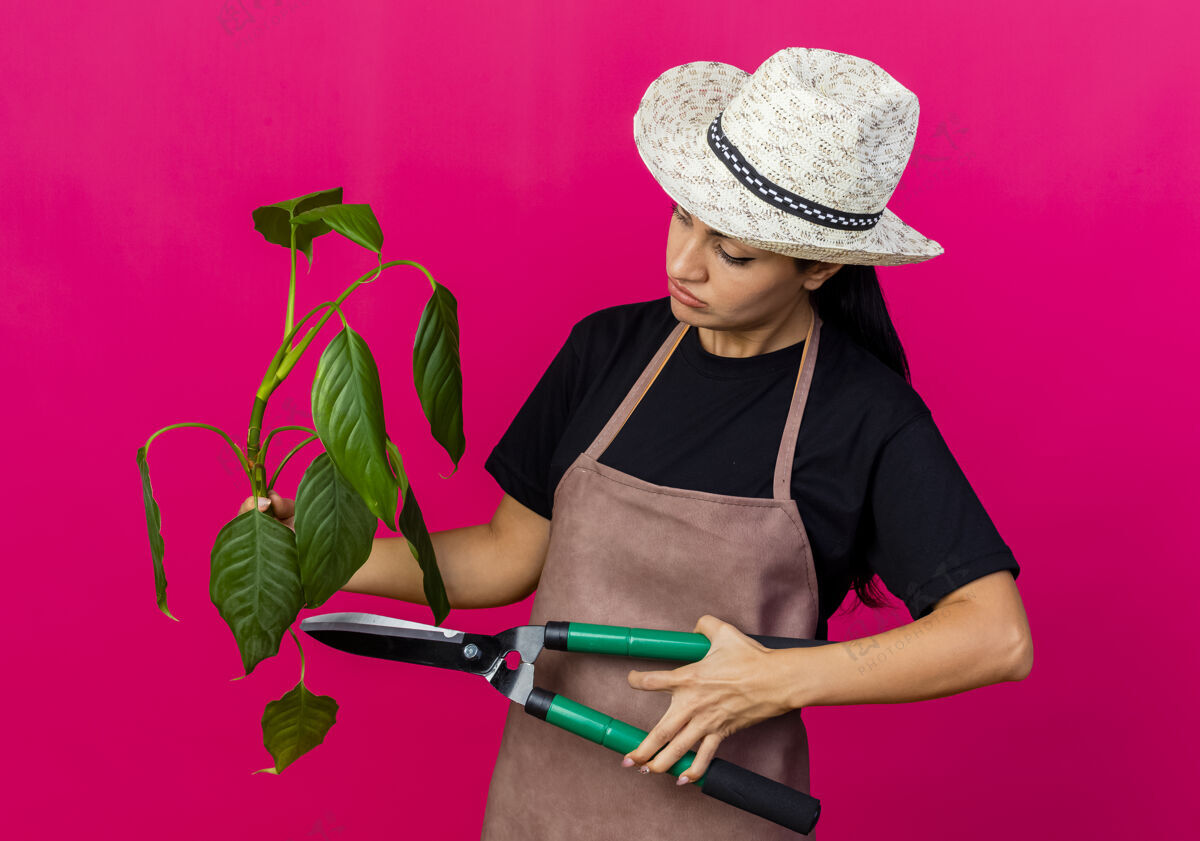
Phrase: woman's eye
[733,261]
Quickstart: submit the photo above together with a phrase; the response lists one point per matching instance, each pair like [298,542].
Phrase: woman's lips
[682,295]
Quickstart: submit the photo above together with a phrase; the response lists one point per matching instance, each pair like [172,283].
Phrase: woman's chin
[686,314]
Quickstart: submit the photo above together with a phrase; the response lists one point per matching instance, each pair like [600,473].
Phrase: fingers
[674,747]
[659,736]
[721,632]
[704,756]
[662,733]
[263,502]
[697,716]
[712,627]
[282,506]
[707,625]
[650,680]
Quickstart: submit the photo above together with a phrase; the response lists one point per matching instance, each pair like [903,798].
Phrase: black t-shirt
[872,475]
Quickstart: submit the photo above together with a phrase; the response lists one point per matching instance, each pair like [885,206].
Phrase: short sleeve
[930,532]
[520,461]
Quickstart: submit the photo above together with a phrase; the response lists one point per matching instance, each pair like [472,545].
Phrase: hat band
[778,196]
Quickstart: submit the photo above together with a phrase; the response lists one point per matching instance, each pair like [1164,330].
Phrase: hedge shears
[489,655]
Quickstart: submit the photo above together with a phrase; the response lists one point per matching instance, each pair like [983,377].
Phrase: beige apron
[624,551]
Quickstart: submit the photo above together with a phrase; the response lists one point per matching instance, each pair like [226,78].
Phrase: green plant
[262,572]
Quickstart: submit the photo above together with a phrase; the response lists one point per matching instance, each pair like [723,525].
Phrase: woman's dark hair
[852,301]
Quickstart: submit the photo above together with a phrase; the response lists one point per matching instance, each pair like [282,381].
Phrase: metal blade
[373,623]
[407,642]
[370,635]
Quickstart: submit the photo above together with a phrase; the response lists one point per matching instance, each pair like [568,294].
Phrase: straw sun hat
[799,157]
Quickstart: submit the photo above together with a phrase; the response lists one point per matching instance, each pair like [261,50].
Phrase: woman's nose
[687,263]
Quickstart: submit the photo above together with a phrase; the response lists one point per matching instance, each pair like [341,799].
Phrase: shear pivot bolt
[471,651]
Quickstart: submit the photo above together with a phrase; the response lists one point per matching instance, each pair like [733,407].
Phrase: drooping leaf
[154,528]
[437,371]
[274,221]
[296,723]
[255,583]
[397,465]
[334,530]
[356,222]
[347,408]
[412,526]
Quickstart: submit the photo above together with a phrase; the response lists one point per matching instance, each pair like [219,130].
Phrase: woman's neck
[787,331]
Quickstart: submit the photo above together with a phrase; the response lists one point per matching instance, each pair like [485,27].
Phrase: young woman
[659,474]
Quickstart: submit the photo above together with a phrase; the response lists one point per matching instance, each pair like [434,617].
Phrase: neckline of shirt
[738,367]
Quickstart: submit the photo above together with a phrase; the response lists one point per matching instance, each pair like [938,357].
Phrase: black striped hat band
[780,197]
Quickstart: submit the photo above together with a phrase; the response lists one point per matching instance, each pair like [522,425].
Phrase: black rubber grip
[789,642]
[556,635]
[538,703]
[761,795]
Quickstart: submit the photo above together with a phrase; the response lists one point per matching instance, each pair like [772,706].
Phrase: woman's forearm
[956,647]
[473,568]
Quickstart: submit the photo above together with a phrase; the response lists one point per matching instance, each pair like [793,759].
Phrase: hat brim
[670,130]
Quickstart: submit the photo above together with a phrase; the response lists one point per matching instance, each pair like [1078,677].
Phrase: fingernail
[627,762]
[682,781]
[643,770]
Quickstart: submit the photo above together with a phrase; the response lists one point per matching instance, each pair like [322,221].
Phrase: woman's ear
[818,273]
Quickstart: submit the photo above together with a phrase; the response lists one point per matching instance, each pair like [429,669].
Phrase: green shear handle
[723,780]
[647,642]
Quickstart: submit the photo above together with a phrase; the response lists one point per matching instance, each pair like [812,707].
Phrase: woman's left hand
[733,687]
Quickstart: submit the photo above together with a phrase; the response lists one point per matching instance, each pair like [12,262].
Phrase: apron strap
[787,447]
[637,392]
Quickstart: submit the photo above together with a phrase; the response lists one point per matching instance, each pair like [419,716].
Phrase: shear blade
[407,642]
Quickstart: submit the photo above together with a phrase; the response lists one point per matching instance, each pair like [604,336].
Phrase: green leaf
[154,527]
[334,530]
[347,408]
[274,221]
[296,723]
[255,583]
[412,526]
[356,222]
[397,465]
[437,371]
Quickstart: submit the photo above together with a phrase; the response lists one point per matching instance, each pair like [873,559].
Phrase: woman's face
[740,287]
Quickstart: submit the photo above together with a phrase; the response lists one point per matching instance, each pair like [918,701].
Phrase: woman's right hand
[281,508]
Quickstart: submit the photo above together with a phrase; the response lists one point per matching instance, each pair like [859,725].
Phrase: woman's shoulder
[862,385]
[635,315]
[623,327]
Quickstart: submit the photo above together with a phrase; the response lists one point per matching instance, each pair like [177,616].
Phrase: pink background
[1055,342]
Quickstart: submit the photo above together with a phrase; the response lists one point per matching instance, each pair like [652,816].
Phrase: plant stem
[424,271]
[336,306]
[299,646]
[291,302]
[288,457]
[267,442]
[241,458]
[259,478]
[278,370]
[276,373]
[254,451]
[269,381]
